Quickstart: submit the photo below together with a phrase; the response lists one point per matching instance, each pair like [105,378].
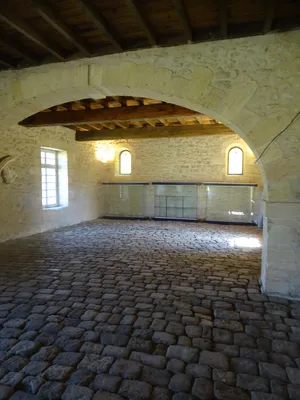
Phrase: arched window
[125,162]
[235,161]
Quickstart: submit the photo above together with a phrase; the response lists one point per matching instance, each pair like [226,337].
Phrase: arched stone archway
[251,85]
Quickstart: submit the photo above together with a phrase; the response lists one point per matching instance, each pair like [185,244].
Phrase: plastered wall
[21,210]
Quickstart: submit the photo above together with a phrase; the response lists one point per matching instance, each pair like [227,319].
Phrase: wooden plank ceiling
[33,32]
[126,118]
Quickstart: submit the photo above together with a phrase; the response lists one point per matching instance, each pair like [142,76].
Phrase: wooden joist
[42,7]
[107,115]
[18,51]
[25,29]
[142,19]
[100,23]
[7,63]
[223,18]
[184,19]
[269,16]
[151,133]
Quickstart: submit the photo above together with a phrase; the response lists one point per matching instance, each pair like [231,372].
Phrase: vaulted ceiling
[33,32]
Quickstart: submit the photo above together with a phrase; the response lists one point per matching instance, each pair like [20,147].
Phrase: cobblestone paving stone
[143,310]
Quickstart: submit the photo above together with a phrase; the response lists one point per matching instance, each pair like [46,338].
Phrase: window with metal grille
[54,178]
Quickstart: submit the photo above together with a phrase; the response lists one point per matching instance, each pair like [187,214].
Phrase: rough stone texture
[107,383]
[51,390]
[293,391]
[152,361]
[226,392]
[184,353]
[77,393]
[294,375]
[96,363]
[32,384]
[250,382]
[175,365]
[25,348]
[81,377]
[106,271]
[6,392]
[68,359]
[83,203]
[248,97]
[135,390]
[198,371]
[203,389]
[272,371]
[214,359]
[180,383]
[126,369]
[155,377]
[101,395]
[227,377]
[57,373]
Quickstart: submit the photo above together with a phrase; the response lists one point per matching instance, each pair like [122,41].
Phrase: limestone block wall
[21,211]
[250,84]
[193,159]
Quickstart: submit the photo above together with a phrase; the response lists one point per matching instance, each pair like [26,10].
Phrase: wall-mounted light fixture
[105,153]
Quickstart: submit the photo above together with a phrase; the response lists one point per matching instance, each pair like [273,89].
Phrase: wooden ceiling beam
[7,63]
[223,12]
[100,23]
[121,125]
[12,19]
[108,126]
[151,123]
[45,11]
[107,115]
[14,48]
[142,18]
[151,133]
[199,119]
[269,15]
[184,19]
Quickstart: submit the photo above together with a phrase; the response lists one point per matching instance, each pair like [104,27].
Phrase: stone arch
[257,97]
[36,89]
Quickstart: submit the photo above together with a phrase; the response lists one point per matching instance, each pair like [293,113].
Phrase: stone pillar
[280,275]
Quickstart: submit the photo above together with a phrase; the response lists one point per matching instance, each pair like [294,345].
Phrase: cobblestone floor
[143,310]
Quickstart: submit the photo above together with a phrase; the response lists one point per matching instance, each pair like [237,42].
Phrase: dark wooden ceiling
[33,32]
[117,112]
[122,117]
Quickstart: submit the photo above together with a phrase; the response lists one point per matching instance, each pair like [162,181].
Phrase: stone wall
[21,211]
[193,159]
[250,84]
[184,159]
